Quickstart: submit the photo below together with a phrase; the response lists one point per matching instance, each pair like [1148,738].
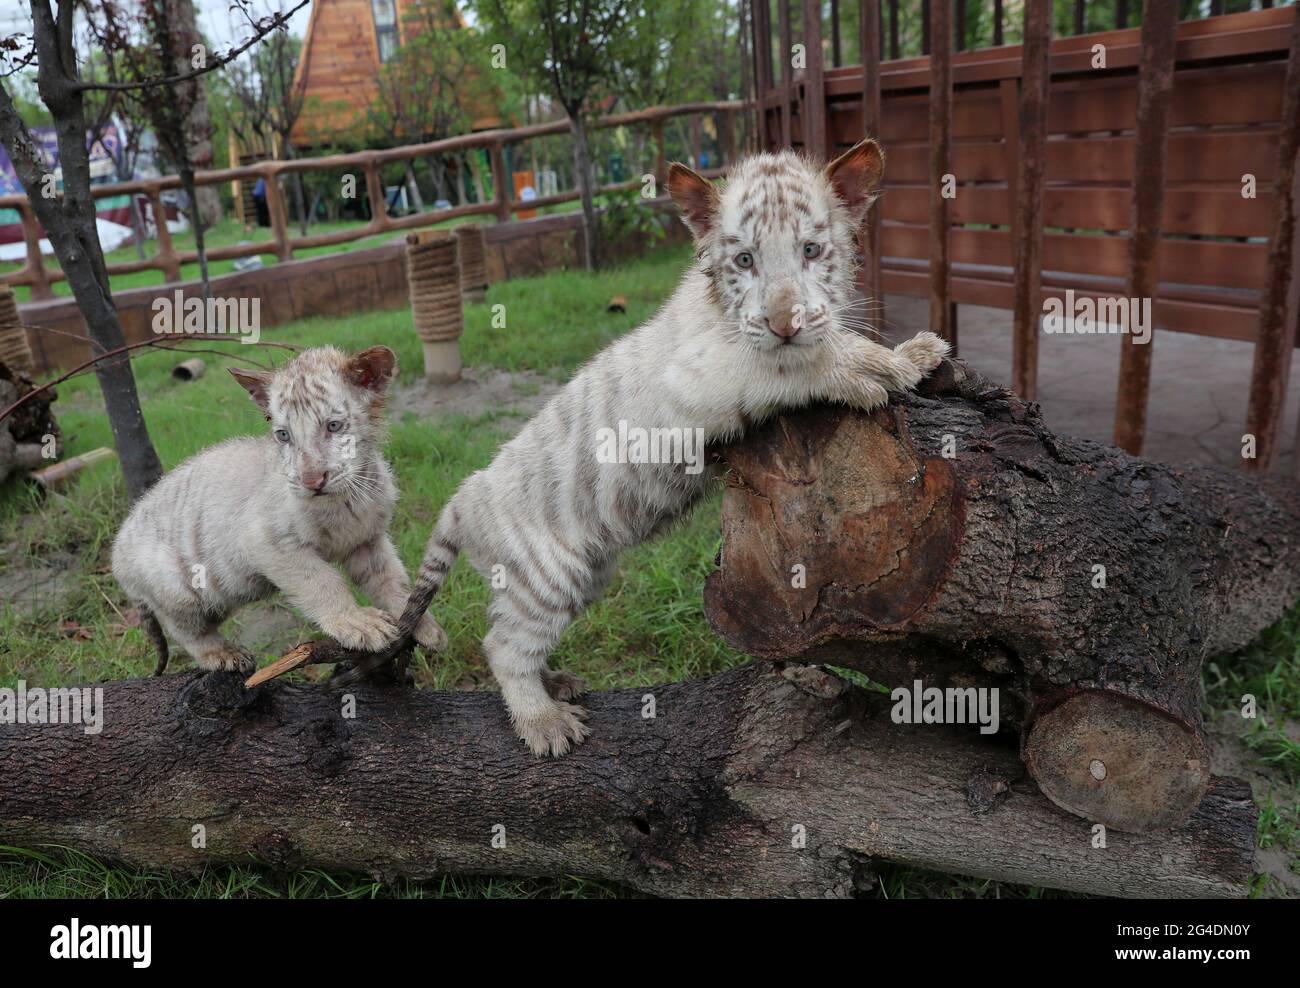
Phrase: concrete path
[1199,385]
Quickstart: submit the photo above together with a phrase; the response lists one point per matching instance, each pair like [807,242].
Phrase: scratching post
[14,350]
[473,263]
[433,276]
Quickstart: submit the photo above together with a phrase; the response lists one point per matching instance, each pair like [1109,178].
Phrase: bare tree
[432,84]
[269,102]
[69,219]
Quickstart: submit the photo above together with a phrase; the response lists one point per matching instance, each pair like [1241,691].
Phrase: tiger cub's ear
[696,198]
[256,383]
[371,369]
[855,175]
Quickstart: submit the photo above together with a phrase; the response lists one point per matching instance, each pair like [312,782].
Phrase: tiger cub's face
[778,240]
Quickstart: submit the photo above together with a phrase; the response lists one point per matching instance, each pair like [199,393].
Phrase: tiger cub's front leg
[865,373]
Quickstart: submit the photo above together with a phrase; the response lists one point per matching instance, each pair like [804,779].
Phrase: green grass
[649,627]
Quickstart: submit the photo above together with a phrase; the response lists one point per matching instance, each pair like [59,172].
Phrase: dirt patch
[479,391]
[33,587]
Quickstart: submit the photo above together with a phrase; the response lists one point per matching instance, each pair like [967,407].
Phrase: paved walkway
[1199,385]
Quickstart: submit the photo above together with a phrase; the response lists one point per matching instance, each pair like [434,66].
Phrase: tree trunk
[70,226]
[583,177]
[198,122]
[413,187]
[197,222]
[954,539]
[765,780]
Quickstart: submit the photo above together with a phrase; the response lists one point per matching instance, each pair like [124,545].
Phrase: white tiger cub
[756,325]
[244,518]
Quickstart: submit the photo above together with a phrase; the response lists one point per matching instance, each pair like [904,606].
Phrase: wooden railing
[169,260]
[1070,176]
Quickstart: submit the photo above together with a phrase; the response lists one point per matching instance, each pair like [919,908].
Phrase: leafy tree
[432,85]
[571,47]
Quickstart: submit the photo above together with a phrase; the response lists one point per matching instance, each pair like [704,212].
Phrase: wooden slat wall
[1223,122]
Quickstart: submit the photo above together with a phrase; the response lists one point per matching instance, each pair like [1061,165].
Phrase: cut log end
[1117,761]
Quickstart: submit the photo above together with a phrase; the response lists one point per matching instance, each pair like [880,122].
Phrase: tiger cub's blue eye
[811,250]
[745,260]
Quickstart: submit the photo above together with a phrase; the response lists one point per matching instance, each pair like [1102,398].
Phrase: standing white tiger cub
[755,326]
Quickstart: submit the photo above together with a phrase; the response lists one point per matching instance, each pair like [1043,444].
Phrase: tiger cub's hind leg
[517,652]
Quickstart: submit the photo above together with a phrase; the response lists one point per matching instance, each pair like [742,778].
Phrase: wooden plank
[1279,310]
[1219,264]
[1201,318]
[1028,197]
[941,312]
[1211,211]
[1155,90]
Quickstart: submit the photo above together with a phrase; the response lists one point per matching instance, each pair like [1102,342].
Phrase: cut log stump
[772,779]
[951,538]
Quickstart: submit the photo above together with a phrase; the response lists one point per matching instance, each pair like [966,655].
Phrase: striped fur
[249,516]
[546,521]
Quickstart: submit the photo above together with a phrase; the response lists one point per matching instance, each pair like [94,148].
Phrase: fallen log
[951,537]
[768,780]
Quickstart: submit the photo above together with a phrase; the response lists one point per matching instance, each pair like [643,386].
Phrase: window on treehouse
[385,14]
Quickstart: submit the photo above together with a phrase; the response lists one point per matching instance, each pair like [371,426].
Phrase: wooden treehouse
[345,45]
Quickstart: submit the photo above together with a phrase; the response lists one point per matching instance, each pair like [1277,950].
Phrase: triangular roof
[339,70]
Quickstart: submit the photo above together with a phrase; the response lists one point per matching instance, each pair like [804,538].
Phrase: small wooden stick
[299,655]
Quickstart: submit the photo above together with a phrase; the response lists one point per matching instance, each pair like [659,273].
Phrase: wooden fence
[1129,177]
[369,163]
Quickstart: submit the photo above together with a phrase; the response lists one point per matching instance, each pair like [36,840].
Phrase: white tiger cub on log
[756,325]
[253,515]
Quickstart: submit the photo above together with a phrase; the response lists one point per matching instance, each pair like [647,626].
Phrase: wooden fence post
[168,260]
[787,73]
[869,33]
[1025,187]
[1278,306]
[501,179]
[279,217]
[813,107]
[32,241]
[942,319]
[761,26]
[1155,88]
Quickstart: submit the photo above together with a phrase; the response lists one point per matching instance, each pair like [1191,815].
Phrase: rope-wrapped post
[14,350]
[473,263]
[433,277]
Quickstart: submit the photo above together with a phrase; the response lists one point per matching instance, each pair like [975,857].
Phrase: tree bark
[198,121]
[582,173]
[953,538]
[767,780]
